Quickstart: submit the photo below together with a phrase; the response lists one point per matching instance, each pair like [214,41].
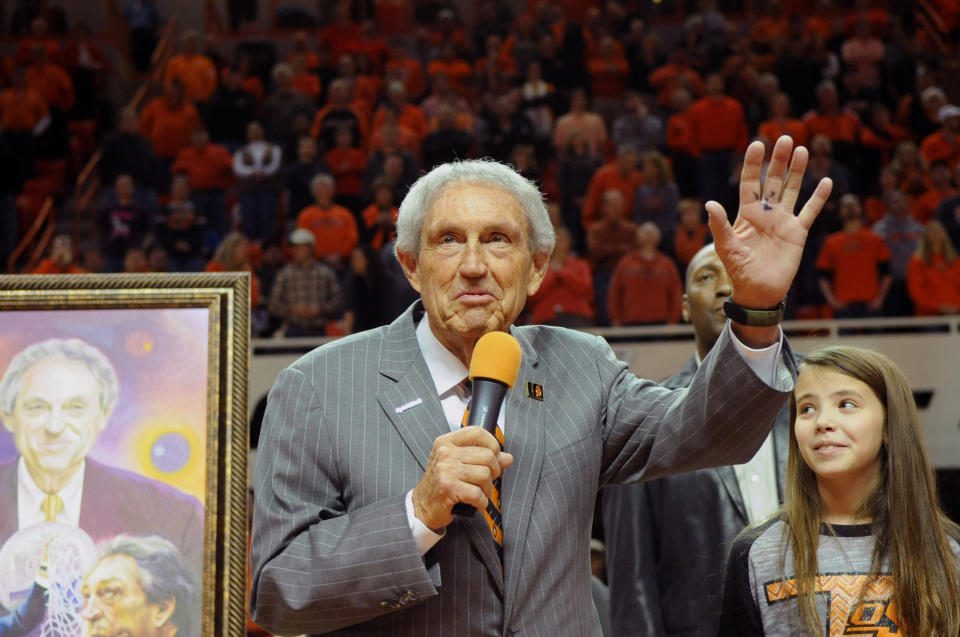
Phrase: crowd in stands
[628,122]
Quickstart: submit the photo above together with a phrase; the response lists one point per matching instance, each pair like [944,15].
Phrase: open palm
[761,250]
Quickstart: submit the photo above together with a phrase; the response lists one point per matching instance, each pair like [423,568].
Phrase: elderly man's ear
[409,264]
[538,270]
[165,609]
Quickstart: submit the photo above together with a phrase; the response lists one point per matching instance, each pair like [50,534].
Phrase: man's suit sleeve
[316,567]
[27,616]
[630,538]
[720,419]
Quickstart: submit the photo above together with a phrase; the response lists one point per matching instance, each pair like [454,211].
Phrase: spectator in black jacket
[127,152]
[448,142]
[228,111]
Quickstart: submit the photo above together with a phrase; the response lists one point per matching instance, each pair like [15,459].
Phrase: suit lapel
[99,515]
[729,479]
[410,403]
[525,440]
[412,406]
[781,444]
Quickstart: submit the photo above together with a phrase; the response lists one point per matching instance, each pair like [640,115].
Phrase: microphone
[494,368]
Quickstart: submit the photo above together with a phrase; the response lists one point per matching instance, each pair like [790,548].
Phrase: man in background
[667,539]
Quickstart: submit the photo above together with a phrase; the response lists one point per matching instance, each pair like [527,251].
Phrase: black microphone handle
[483,411]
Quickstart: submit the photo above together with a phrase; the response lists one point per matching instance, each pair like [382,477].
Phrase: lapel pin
[534,391]
[405,406]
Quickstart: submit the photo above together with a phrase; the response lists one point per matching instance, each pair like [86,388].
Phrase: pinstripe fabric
[331,549]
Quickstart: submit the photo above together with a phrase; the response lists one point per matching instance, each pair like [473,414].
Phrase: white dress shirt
[30,497]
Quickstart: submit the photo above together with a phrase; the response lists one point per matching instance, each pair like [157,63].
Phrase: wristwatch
[753,317]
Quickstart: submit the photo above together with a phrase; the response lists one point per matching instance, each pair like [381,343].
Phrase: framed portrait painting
[123,454]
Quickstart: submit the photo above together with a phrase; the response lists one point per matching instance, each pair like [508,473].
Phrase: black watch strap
[753,317]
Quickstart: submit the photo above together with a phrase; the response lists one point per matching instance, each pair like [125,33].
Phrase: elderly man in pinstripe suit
[362,457]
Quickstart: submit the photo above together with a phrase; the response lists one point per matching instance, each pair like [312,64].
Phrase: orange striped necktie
[51,506]
[492,513]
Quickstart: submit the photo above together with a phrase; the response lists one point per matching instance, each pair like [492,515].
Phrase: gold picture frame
[179,347]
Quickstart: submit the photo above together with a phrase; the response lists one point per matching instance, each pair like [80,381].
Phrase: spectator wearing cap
[334,227]
[944,145]
[305,294]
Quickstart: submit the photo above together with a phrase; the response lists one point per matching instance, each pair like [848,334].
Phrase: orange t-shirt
[566,290]
[717,123]
[933,286]
[853,258]
[645,290]
[608,76]
[308,84]
[411,117]
[926,204]
[347,166]
[410,72]
[680,134]
[939,147]
[842,127]
[668,77]
[47,266]
[686,243]
[168,129]
[334,229]
[53,83]
[21,109]
[609,178]
[197,72]
[207,168]
[456,70]
[773,130]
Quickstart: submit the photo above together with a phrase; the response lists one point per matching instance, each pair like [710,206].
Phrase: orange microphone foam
[496,356]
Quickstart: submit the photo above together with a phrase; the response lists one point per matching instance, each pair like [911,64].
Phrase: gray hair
[73,348]
[321,177]
[484,172]
[164,574]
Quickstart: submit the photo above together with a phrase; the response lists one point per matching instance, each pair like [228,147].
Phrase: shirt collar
[446,370]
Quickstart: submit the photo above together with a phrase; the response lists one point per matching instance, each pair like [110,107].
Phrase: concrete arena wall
[930,360]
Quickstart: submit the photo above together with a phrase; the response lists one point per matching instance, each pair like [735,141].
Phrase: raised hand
[761,250]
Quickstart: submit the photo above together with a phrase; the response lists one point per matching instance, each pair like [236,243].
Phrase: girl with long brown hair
[860,546]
